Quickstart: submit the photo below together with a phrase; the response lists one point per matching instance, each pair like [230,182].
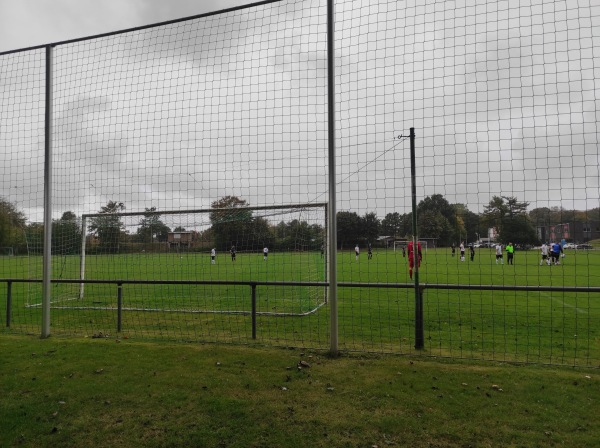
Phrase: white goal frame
[404,243]
[7,251]
[274,208]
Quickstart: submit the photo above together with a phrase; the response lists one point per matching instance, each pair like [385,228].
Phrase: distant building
[575,232]
[182,239]
[385,241]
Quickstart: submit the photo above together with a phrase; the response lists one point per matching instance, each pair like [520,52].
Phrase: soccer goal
[177,245]
[7,252]
[400,244]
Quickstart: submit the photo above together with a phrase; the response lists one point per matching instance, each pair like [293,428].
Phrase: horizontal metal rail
[254,284]
[583,289]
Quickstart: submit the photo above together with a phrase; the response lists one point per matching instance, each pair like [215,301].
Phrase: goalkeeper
[411,257]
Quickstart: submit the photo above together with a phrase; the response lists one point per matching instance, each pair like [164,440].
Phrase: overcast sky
[28,23]
[503,96]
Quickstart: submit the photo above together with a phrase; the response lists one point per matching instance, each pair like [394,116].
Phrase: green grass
[552,327]
[122,393]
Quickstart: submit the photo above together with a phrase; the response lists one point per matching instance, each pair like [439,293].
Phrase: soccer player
[555,251]
[472,250]
[545,255]
[369,251]
[510,253]
[232,252]
[462,251]
[499,254]
[453,249]
[322,250]
[356,251]
[411,257]
[265,253]
[213,254]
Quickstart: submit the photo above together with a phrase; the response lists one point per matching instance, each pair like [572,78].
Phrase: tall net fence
[228,111]
[503,98]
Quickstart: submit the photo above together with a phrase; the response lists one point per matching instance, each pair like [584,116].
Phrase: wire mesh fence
[227,113]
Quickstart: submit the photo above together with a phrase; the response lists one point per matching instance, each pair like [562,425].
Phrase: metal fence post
[119,307]
[331,157]
[419,324]
[419,338]
[8,303]
[47,254]
[253,286]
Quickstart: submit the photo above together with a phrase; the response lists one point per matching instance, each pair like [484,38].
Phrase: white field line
[562,302]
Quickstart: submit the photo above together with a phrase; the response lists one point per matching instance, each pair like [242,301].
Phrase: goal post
[399,244]
[177,244]
[7,251]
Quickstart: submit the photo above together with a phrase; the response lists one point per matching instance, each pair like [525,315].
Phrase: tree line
[233,223]
[449,224]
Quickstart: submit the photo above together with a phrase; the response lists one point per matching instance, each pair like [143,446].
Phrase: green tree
[519,230]
[370,227]
[261,232]
[12,224]
[297,235]
[108,228]
[494,213]
[432,224]
[152,228]
[391,225]
[510,218]
[230,222]
[348,229]
[66,235]
[34,239]
[514,207]
[468,224]
[451,229]
[541,216]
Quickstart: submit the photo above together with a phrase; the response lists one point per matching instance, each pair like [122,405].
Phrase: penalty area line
[563,303]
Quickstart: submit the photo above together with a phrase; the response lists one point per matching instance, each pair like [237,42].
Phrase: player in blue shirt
[555,252]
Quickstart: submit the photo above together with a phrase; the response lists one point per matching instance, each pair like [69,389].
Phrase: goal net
[402,244]
[272,244]
[6,252]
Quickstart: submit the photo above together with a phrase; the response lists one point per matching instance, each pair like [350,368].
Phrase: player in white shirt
[499,254]
[213,254]
[545,255]
[356,251]
[462,251]
[265,253]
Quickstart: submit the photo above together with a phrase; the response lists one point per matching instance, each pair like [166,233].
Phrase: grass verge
[117,393]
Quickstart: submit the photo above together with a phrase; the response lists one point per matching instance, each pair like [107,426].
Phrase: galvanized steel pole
[47,257]
[331,209]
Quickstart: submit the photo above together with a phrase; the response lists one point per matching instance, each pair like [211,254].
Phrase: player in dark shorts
[555,251]
[232,252]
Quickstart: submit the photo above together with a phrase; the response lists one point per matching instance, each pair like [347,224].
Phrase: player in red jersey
[411,257]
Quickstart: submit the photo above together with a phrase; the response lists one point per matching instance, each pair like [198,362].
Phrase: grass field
[75,392]
[554,327]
